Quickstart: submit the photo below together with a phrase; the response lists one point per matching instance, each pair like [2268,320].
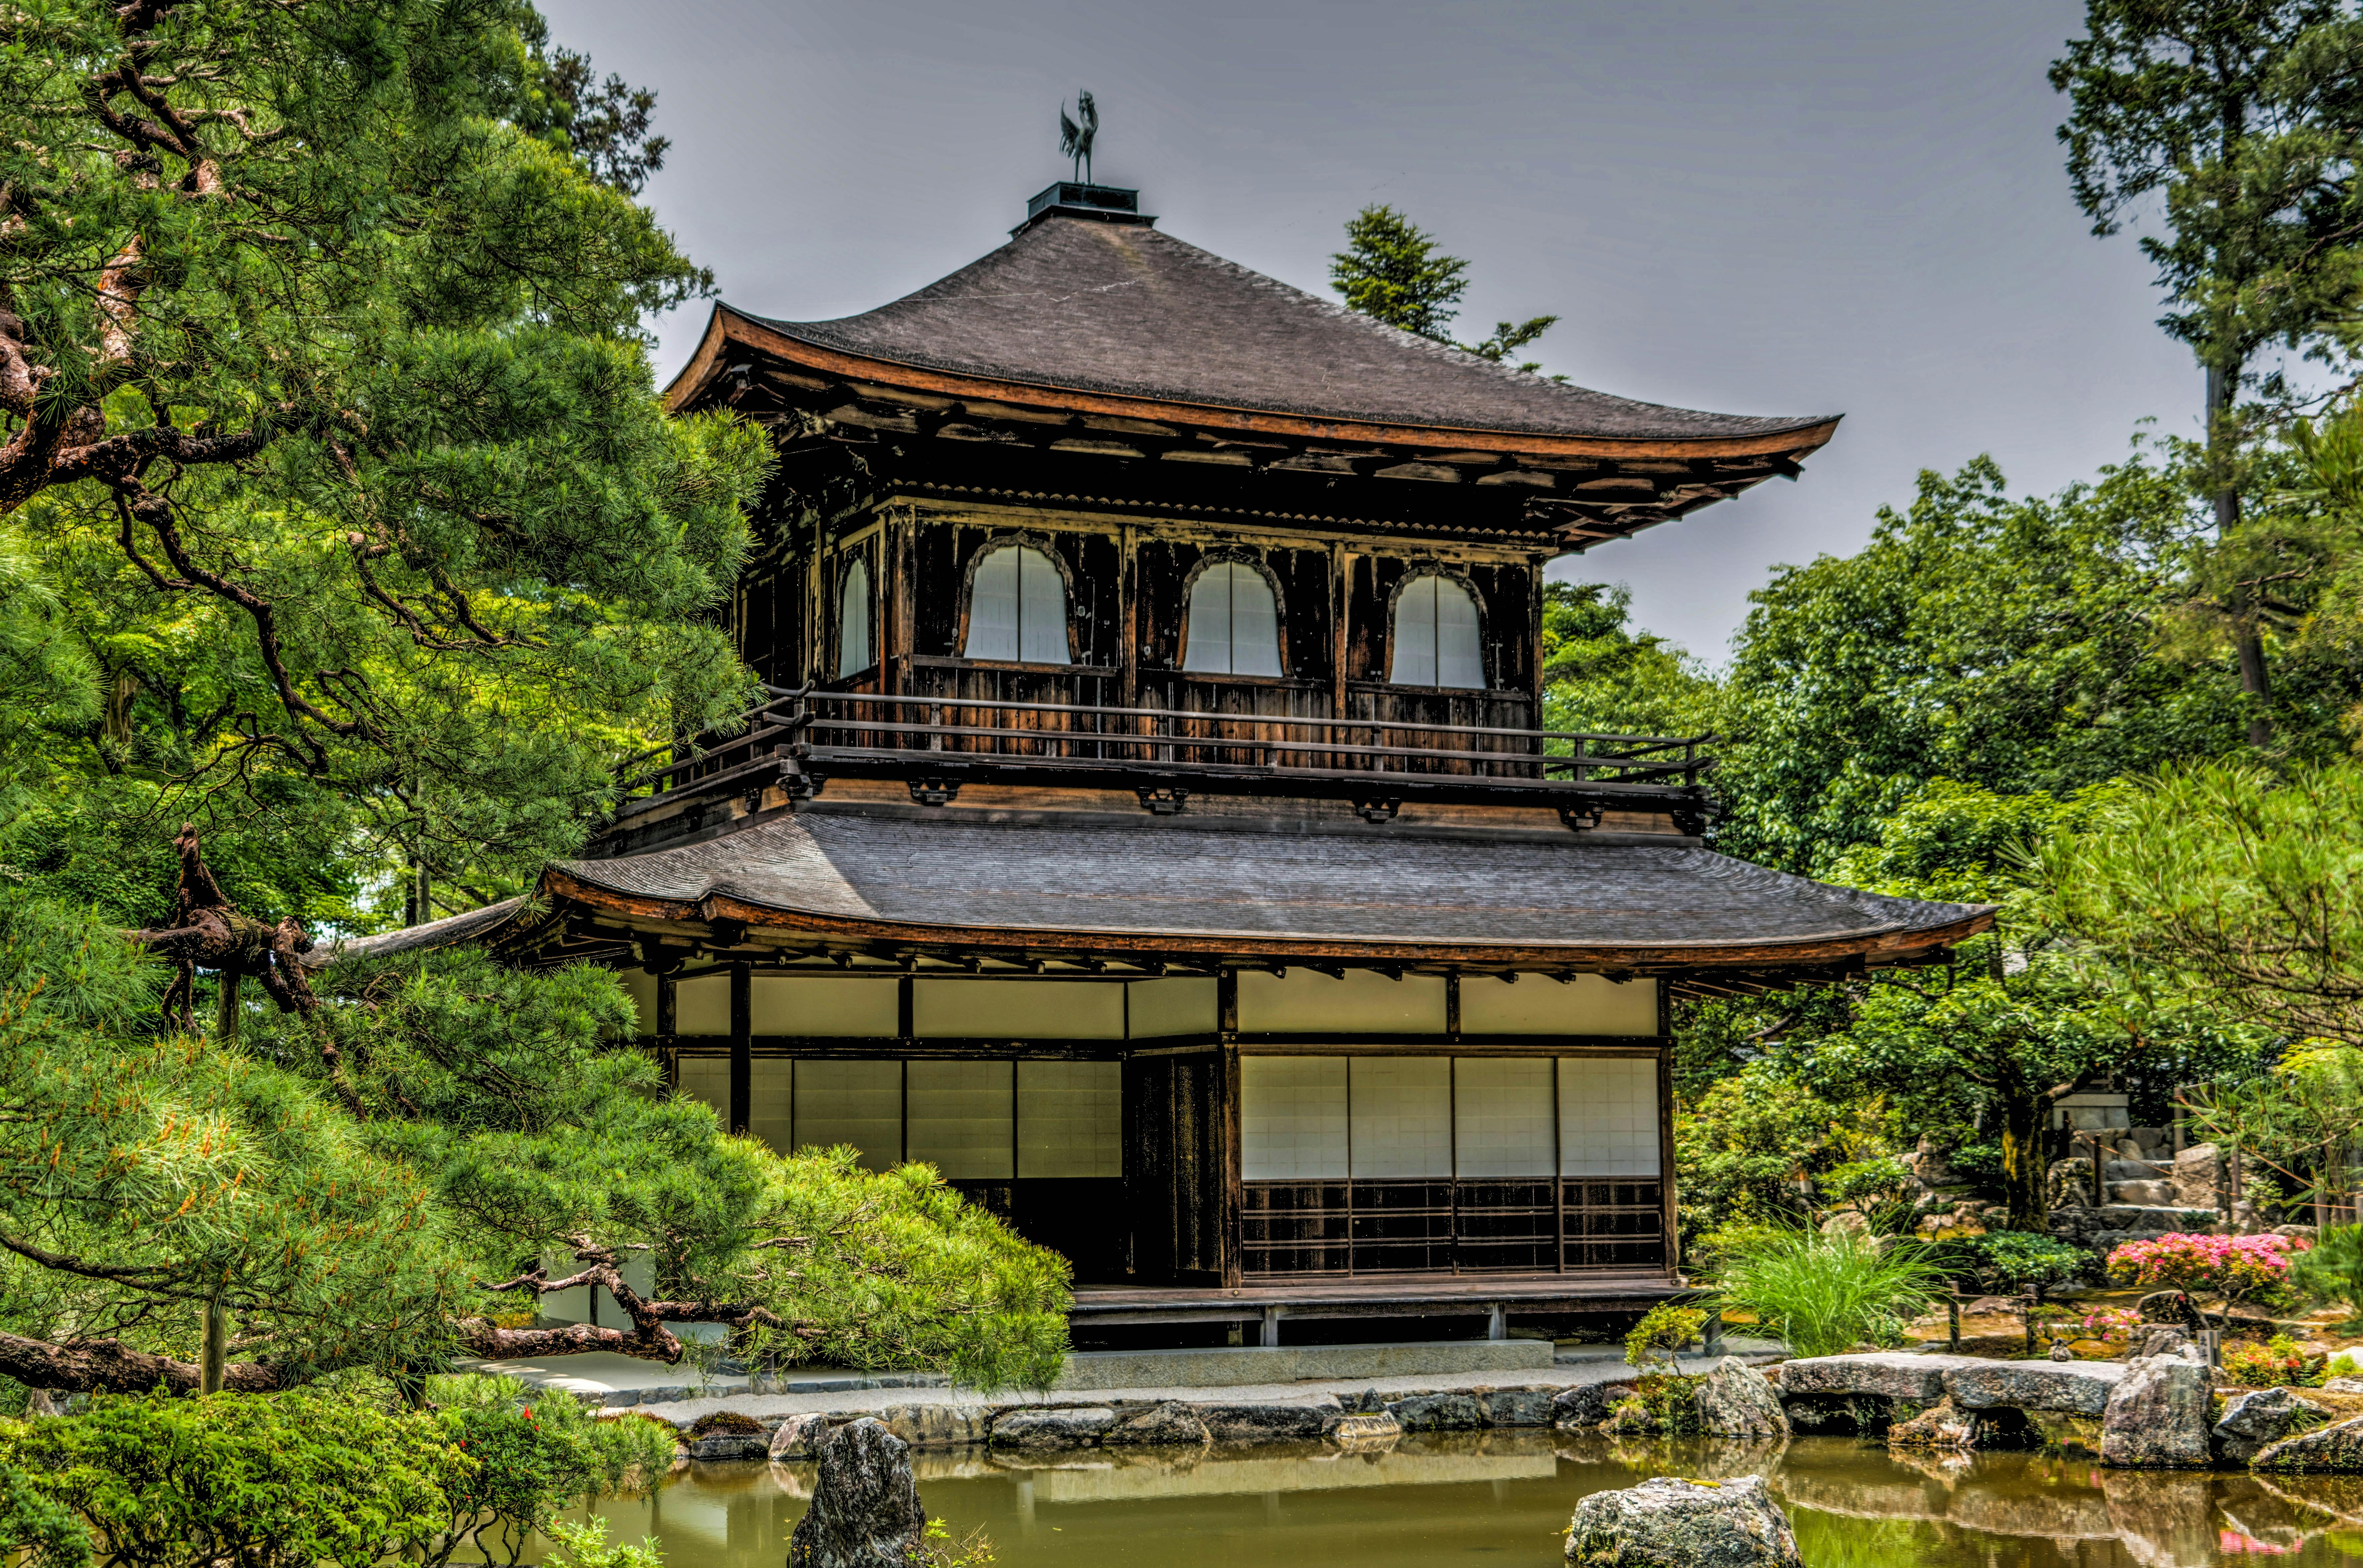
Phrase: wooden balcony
[1063,726]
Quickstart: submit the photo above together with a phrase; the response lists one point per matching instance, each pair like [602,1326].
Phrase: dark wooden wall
[1181,1116]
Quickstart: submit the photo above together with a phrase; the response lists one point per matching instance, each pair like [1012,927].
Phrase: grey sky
[1753,208]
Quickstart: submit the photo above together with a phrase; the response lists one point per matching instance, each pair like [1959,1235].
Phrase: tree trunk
[2024,1167]
[2255,677]
[216,1354]
[226,1010]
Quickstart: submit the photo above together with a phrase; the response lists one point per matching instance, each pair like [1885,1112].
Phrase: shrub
[534,1457]
[1866,1184]
[2269,1365]
[1664,1330]
[2007,1258]
[2343,1365]
[2332,1270]
[1823,1291]
[1981,1162]
[586,1546]
[727,1424]
[287,1478]
[2113,1326]
[2233,1266]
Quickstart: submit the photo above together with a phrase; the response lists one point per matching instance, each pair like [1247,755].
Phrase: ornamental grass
[1826,1291]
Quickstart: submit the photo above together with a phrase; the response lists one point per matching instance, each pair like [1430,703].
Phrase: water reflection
[1506,1497]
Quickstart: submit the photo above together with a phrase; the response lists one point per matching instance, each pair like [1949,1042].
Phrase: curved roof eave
[727,324]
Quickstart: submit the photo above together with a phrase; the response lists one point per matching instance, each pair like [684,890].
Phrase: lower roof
[1060,881]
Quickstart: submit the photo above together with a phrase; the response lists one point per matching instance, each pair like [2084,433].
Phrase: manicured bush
[2272,1365]
[1826,1291]
[295,1479]
[725,1423]
[2240,1267]
[2007,1259]
[1662,1332]
[535,1454]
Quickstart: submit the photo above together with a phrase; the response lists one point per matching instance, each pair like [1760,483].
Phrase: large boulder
[1518,1407]
[1588,1404]
[2159,1415]
[2338,1447]
[2254,1421]
[1941,1425]
[1051,1426]
[2198,1176]
[937,1426]
[799,1437]
[865,1509]
[1439,1413]
[2073,1387]
[1734,1400]
[1670,1523]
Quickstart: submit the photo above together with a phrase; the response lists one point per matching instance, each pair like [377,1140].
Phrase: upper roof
[1127,311]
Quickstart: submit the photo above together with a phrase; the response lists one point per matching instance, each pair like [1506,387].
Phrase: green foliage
[395,546]
[2004,1260]
[1661,1333]
[162,1483]
[586,1545]
[2333,1270]
[1824,1291]
[1742,1148]
[2275,1364]
[1865,1185]
[2229,885]
[1600,675]
[1392,270]
[533,1457]
[36,1525]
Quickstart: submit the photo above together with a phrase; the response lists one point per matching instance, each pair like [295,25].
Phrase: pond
[1502,1499]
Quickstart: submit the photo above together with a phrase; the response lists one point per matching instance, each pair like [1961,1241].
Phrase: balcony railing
[814,733]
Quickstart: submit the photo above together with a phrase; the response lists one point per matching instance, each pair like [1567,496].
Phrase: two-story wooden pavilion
[1152,827]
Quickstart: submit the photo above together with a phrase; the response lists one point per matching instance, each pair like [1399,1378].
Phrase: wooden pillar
[1666,1129]
[1127,588]
[1341,566]
[1229,1221]
[742,1046]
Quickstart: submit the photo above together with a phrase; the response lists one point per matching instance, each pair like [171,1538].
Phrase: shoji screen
[960,1119]
[1069,1119]
[1503,1109]
[859,1103]
[1292,1118]
[1608,1117]
[1401,1115]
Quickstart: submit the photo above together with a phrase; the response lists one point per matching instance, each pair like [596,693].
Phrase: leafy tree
[2008,644]
[1392,270]
[2247,120]
[324,406]
[1747,1149]
[2226,885]
[1602,676]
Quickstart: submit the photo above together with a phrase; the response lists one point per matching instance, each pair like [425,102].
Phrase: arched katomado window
[1435,635]
[1017,607]
[853,654]
[1234,625]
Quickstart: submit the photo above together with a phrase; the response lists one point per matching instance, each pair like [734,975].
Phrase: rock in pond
[1668,1523]
[1518,1407]
[2337,1448]
[1268,1423]
[937,1426]
[865,1509]
[1734,1400]
[731,1445]
[2159,1415]
[1588,1404]
[1439,1413]
[1169,1424]
[1942,1425]
[1051,1426]
[2254,1421]
[798,1436]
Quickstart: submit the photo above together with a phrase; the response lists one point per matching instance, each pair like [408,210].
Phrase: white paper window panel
[701,1004]
[853,621]
[1501,1114]
[642,987]
[859,1103]
[1589,1004]
[1069,1119]
[708,1080]
[1365,1001]
[1017,1009]
[1435,635]
[1401,1112]
[1608,1116]
[772,1102]
[1180,1005]
[1017,607]
[823,1006]
[1234,622]
[1292,1118]
[958,1118]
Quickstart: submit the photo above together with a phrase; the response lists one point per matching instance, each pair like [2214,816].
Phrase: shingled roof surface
[1159,878]
[1126,309]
